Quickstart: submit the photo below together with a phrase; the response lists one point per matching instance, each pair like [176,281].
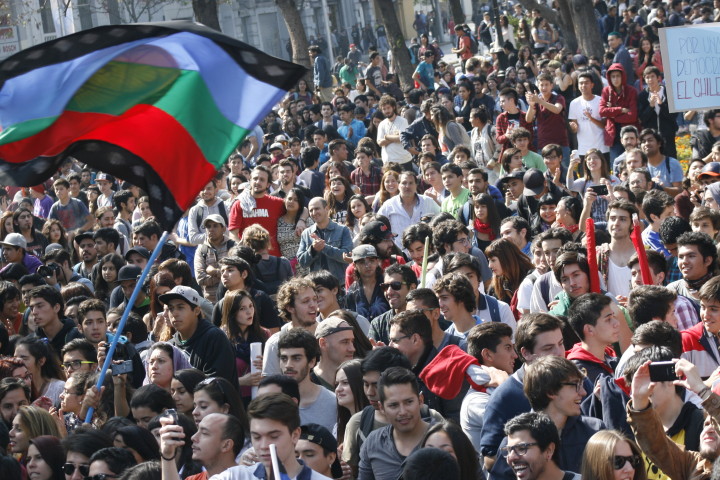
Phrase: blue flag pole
[123,319]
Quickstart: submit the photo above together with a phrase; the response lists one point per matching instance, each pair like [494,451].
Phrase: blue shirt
[427,75]
[358,129]
[661,171]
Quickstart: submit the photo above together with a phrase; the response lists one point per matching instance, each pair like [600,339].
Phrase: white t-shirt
[393,152]
[589,135]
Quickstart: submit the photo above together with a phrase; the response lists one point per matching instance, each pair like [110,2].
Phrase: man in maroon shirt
[548,107]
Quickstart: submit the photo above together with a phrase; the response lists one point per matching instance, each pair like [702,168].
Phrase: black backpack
[221,210]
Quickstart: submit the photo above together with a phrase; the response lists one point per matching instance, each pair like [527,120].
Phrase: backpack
[494,307]
[473,40]
[221,210]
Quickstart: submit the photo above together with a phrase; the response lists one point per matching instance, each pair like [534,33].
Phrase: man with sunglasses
[531,448]
[675,461]
[398,281]
[110,463]
[79,447]
[554,386]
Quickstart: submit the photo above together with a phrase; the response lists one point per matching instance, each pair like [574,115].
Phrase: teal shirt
[453,205]
[534,160]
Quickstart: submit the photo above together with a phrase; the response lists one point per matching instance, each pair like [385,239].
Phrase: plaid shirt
[369,185]
[501,127]
[687,316]
[673,274]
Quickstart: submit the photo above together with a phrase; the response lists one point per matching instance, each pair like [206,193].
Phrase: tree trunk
[457,12]
[586,27]
[206,13]
[400,53]
[298,37]
[564,23]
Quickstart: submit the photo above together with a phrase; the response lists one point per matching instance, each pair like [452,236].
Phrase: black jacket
[210,351]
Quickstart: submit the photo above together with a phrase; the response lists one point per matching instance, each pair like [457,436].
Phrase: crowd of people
[385,283]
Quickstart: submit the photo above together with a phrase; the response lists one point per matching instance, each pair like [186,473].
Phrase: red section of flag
[144,130]
[592,256]
[636,237]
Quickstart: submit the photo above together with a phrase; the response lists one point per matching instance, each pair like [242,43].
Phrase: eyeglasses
[69,469]
[619,461]
[75,364]
[394,285]
[520,449]
[462,241]
[578,385]
[101,476]
[397,340]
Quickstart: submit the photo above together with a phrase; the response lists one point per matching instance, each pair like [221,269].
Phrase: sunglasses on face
[619,461]
[394,285]
[69,469]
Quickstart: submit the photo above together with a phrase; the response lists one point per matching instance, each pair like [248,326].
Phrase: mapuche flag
[161,105]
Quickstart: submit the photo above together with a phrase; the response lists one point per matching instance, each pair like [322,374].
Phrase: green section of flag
[119,86]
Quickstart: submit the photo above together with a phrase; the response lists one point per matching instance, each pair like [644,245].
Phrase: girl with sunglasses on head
[42,363]
[609,455]
[217,395]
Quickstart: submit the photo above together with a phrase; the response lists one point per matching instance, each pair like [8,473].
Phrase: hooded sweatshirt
[210,351]
[593,366]
[626,98]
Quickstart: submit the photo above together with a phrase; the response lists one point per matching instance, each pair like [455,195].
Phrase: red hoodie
[612,103]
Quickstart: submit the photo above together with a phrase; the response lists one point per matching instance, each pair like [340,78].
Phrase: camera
[49,270]
[662,371]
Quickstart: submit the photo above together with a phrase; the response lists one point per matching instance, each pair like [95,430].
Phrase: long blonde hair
[597,462]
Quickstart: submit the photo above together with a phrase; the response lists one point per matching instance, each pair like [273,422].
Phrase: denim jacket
[338,240]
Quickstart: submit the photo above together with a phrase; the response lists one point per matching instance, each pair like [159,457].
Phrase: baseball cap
[319,435]
[16,240]
[429,53]
[580,59]
[352,45]
[142,251]
[52,247]
[711,169]
[275,146]
[214,217]
[516,175]
[363,251]
[331,325]
[129,272]
[183,293]
[105,176]
[534,181]
[377,229]
[83,236]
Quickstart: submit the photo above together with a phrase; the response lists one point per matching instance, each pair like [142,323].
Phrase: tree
[400,53]
[298,37]
[576,19]
[457,12]
[206,13]
[131,11]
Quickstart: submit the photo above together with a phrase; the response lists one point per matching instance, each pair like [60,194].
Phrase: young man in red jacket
[618,105]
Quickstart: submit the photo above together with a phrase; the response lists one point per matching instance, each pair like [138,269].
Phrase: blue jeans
[616,151]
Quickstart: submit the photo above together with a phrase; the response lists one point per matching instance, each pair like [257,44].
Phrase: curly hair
[287,293]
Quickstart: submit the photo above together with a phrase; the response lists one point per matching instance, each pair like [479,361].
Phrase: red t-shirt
[266,213]
[466,43]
